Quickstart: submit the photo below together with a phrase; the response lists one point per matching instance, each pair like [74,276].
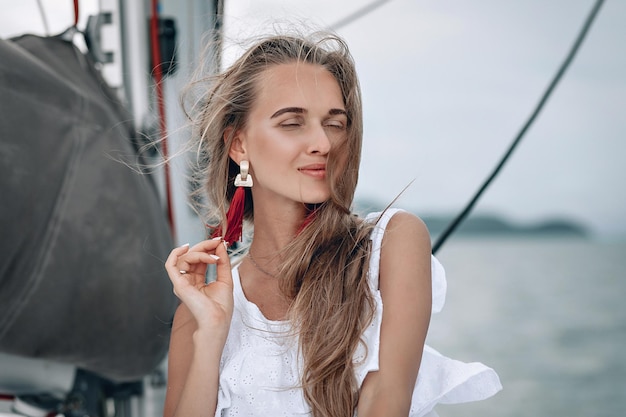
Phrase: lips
[314,170]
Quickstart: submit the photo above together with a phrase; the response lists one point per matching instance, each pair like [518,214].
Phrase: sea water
[548,314]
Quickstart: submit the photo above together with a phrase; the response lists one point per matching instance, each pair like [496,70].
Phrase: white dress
[260,366]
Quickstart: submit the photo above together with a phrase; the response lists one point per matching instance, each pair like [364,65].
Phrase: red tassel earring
[234,215]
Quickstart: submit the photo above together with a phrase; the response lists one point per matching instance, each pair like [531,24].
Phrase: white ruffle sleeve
[440,379]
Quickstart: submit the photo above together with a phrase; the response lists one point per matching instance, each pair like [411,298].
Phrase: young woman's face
[298,116]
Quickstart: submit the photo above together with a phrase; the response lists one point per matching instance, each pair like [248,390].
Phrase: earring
[243,179]
[234,215]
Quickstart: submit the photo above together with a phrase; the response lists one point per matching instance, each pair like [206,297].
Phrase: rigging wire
[358,14]
[218,34]
[559,74]
[44,18]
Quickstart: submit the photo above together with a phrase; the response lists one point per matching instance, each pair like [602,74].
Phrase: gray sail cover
[83,237]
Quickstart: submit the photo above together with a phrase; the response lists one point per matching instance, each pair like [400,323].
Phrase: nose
[319,142]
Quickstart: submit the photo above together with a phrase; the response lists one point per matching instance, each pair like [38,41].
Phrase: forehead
[298,84]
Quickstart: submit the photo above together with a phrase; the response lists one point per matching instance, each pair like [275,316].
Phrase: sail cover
[83,237]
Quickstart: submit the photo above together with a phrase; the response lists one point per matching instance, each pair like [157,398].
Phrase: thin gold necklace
[256,265]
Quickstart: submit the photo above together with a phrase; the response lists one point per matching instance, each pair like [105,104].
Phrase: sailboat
[86,305]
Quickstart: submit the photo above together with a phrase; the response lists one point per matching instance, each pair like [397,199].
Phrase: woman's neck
[275,228]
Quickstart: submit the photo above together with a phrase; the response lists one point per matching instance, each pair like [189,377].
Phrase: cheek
[270,160]
[270,155]
[338,156]
[275,149]
[336,137]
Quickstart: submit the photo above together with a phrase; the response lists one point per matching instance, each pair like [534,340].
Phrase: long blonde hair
[324,269]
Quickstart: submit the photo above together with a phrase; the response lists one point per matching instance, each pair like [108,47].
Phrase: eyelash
[339,126]
[291,123]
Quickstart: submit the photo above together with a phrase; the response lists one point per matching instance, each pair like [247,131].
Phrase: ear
[237,150]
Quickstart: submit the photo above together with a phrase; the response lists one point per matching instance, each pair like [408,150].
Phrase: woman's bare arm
[406,290]
[199,330]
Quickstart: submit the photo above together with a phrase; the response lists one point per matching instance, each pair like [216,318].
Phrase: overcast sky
[447,85]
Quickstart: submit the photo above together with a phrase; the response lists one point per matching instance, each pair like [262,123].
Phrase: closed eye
[292,123]
[335,124]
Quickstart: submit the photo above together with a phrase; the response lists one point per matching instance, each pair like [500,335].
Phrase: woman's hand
[210,304]
[200,327]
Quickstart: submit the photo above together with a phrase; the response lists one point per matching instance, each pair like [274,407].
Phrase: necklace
[256,265]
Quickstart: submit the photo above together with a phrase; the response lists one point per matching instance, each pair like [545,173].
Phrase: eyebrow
[335,112]
[300,110]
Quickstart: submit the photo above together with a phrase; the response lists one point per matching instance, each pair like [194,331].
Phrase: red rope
[75,12]
[157,72]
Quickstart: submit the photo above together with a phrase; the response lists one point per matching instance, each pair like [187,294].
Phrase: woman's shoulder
[404,224]
[397,237]
[404,234]
[399,226]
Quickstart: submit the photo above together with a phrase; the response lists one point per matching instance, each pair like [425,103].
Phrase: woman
[297,326]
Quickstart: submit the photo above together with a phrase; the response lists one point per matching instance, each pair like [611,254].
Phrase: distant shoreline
[492,225]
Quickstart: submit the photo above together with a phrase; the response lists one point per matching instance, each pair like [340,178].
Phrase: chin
[316,199]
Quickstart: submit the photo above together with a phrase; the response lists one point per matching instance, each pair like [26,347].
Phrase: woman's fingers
[217,248]
[189,261]
[184,260]
[210,304]
[223,268]
[198,254]
[172,259]
[208,246]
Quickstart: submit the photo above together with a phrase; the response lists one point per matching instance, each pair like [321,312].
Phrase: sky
[448,84]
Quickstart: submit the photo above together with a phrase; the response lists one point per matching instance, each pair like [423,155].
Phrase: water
[547,314]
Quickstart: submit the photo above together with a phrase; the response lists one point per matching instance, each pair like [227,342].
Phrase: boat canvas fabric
[84,236]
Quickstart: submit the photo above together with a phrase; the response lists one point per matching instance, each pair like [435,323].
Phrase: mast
[123,29]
